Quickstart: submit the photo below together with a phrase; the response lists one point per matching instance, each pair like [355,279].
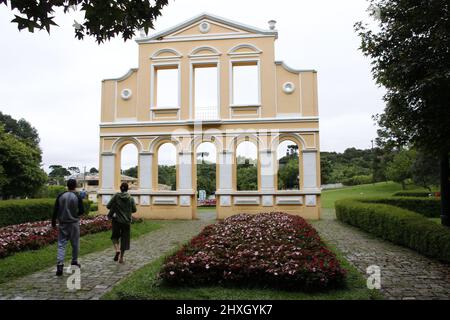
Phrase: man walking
[68,209]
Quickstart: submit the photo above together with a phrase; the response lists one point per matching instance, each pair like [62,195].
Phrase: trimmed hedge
[397,225]
[428,207]
[417,194]
[29,210]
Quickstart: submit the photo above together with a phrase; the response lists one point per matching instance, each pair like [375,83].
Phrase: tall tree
[21,129]
[103,20]
[410,52]
[20,171]
[93,170]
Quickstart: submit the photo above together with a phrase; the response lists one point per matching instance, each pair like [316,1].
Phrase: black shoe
[59,270]
[75,263]
[116,257]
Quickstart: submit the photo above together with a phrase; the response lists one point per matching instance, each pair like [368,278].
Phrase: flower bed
[34,235]
[268,250]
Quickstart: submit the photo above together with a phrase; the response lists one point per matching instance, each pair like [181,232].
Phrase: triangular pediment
[207,25]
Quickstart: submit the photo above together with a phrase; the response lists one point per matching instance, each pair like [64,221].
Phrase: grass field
[144,285]
[382,189]
[27,262]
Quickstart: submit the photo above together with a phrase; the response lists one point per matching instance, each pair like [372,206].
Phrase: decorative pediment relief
[207,26]
[166,53]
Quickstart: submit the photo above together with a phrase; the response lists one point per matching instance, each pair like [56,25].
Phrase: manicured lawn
[144,285]
[382,189]
[23,263]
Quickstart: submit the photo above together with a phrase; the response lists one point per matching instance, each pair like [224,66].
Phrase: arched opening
[167,167]
[206,159]
[129,166]
[246,166]
[288,175]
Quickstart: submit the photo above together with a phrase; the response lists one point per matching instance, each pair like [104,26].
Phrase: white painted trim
[212,18]
[192,64]
[153,68]
[312,191]
[214,52]
[124,77]
[157,200]
[246,200]
[292,70]
[289,200]
[176,54]
[258,65]
[255,49]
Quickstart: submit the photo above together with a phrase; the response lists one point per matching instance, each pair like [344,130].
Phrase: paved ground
[98,270]
[405,274]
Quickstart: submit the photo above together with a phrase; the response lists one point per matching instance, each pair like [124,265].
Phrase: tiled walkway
[405,274]
[98,270]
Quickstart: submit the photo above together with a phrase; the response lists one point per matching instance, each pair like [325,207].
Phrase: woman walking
[121,207]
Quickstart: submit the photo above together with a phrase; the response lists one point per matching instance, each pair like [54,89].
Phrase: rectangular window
[167,87]
[205,93]
[245,84]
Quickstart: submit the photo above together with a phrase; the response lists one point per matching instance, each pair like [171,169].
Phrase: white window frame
[193,64]
[153,69]
[233,62]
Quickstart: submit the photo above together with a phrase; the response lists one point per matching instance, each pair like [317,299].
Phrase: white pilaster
[145,171]
[108,167]
[310,169]
[267,170]
[225,171]
[185,171]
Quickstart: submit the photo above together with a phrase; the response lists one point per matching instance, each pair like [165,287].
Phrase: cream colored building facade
[286,109]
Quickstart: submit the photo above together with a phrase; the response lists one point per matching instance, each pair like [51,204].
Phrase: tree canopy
[410,53]
[103,20]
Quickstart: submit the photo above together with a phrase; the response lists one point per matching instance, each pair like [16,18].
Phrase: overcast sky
[54,81]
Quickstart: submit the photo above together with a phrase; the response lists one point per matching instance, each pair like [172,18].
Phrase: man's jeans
[68,232]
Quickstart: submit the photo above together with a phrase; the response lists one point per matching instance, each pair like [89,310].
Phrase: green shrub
[29,210]
[397,225]
[94,207]
[421,194]
[357,180]
[48,192]
[429,207]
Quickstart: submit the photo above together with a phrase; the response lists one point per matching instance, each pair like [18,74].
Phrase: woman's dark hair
[124,187]
[71,184]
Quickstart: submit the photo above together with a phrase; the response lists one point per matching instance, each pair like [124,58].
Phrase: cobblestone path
[98,270]
[405,274]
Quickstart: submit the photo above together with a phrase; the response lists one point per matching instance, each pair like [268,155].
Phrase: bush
[94,207]
[397,225]
[428,207]
[420,194]
[357,180]
[275,250]
[49,192]
[29,210]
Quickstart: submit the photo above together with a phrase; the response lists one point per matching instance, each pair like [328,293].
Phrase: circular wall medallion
[288,87]
[126,94]
[204,27]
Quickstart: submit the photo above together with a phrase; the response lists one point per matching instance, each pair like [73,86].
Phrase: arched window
[247,166]
[206,172]
[129,168]
[288,166]
[167,167]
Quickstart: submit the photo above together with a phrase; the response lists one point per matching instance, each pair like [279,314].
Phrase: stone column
[185,171]
[145,171]
[108,171]
[310,169]
[225,176]
[267,179]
